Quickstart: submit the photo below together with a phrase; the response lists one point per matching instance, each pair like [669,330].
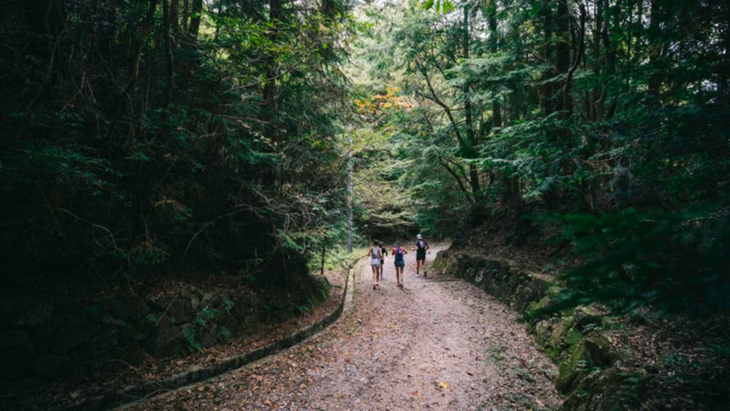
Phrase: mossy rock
[599,349]
[572,338]
[586,316]
[560,331]
[469,274]
[572,369]
[609,390]
[543,303]
[543,330]
[592,352]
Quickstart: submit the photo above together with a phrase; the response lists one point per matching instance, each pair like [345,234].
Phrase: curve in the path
[434,345]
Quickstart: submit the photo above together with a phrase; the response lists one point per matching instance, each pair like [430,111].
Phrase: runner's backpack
[399,254]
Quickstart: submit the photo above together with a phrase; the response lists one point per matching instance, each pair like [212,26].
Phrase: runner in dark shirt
[383,253]
[421,247]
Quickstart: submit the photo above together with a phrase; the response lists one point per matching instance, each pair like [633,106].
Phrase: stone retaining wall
[197,374]
[590,371]
[41,341]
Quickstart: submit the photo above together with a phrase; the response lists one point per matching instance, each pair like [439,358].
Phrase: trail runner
[376,257]
[383,253]
[400,263]
[420,249]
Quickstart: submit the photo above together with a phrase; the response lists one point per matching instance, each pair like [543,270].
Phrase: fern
[205,315]
[223,334]
[190,333]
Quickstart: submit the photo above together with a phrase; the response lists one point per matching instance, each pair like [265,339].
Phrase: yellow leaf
[443,385]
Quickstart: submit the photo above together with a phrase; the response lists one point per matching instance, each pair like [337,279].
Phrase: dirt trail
[437,344]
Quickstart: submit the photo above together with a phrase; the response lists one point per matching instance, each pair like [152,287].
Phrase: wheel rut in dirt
[436,344]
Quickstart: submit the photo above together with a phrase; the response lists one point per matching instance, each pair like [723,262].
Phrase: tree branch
[435,99]
[456,177]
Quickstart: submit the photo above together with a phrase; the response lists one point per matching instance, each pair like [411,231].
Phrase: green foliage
[205,315]
[670,260]
[219,146]
[190,333]
[224,334]
[603,120]
[229,304]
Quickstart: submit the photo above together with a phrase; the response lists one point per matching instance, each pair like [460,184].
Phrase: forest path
[438,344]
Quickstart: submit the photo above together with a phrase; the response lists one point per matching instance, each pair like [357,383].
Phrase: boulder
[607,390]
[543,331]
[195,290]
[121,358]
[585,316]
[84,351]
[35,316]
[211,300]
[571,370]
[11,338]
[195,303]
[178,309]
[134,354]
[166,340]
[17,362]
[107,319]
[559,332]
[232,324]
[137,330]
[14,303]
[544,303]
[209,335]
[74,332]
[45,330]
[592,352]
[128,308]
[599,350]
[52,366]
[108,340]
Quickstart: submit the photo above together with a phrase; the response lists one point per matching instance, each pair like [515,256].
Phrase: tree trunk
[169,63]
[547,89]
[494,47]
[471,139]
[185,15]
[137,44]
[655,51]
[563,54]
[175,17]
[194,28]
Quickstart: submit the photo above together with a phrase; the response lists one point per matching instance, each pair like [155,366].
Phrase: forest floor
[437,344]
